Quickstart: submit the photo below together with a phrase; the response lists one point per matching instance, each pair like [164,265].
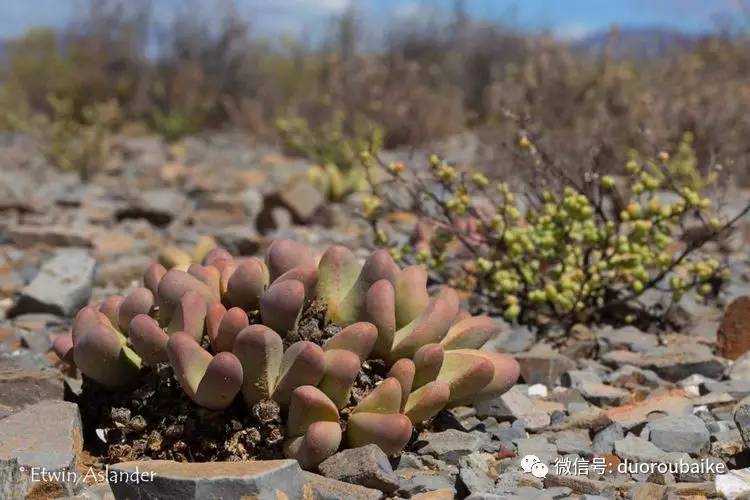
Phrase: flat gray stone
[477,473]
[62,287]
[581,484]
[414,481]
[26,236]
[740,369]
[20,388]
[301,198]
[741,415]
[514,405]
[449,445]
[737,388]
[366,466]
[168,480]
[601,394]
[510,339]
[672,363]
[679,433]
[158,206]
[543,366]
[575,442]
[636,449]
[537,445]
[604,440]
[628,337]
[323,488]
[43,438]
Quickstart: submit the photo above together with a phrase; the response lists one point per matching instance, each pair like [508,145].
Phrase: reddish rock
[733,339]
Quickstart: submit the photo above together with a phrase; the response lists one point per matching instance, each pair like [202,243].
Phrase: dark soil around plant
[155,419]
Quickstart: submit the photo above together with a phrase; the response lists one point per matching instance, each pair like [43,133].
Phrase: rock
[737,388]
[504,431]
[733,337]
[679,433]
[672,363]
[541,366]
[537,445]
[42,438]
[97,491]
[511,339]
[672,402]
[628,376]
[604,440]
[323,488]
[580,484]
[300,197]
[477,473]
[627,337]
[20,388]
[514,404]
[635,449]
[252,201]
[62,287]
[415,481]
[441,494]
[366,466]
[158,206]
[165,479]
[14,484]
[741,415]
[697,490]
[734,483]
[575,442]
[448,445]
[27,235]
[274,219]
[538,390]
[574,378]
[238,239]
[601,394]
[463,418]
[647,491]
[726,444]
[740,369]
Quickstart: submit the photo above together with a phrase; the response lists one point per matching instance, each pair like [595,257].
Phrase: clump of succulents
[587,251]
[228,327]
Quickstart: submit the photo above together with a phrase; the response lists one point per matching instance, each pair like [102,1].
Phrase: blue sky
[567,18]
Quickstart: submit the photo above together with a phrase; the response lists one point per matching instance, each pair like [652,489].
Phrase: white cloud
[572,32]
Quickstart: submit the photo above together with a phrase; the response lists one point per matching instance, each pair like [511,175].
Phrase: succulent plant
[228,327]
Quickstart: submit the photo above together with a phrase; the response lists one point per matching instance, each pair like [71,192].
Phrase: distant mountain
[639,43]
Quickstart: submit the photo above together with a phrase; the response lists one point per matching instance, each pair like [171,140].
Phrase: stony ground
[588,405]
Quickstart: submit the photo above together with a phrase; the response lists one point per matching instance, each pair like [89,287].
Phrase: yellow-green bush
[334,148]
[586,253]
[79,145]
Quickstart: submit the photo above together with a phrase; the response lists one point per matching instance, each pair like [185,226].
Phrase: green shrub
[587,252]
[73,144]
[334,148]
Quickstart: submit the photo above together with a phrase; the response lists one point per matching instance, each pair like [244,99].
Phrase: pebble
[323,488]
[604,440]
[476,472]
[265,479]
[449,445]
[62,287]
[679,433]
[366,466]
[516,405]
[542,365]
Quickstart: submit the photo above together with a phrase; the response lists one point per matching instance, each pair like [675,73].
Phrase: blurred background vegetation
[103,74]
